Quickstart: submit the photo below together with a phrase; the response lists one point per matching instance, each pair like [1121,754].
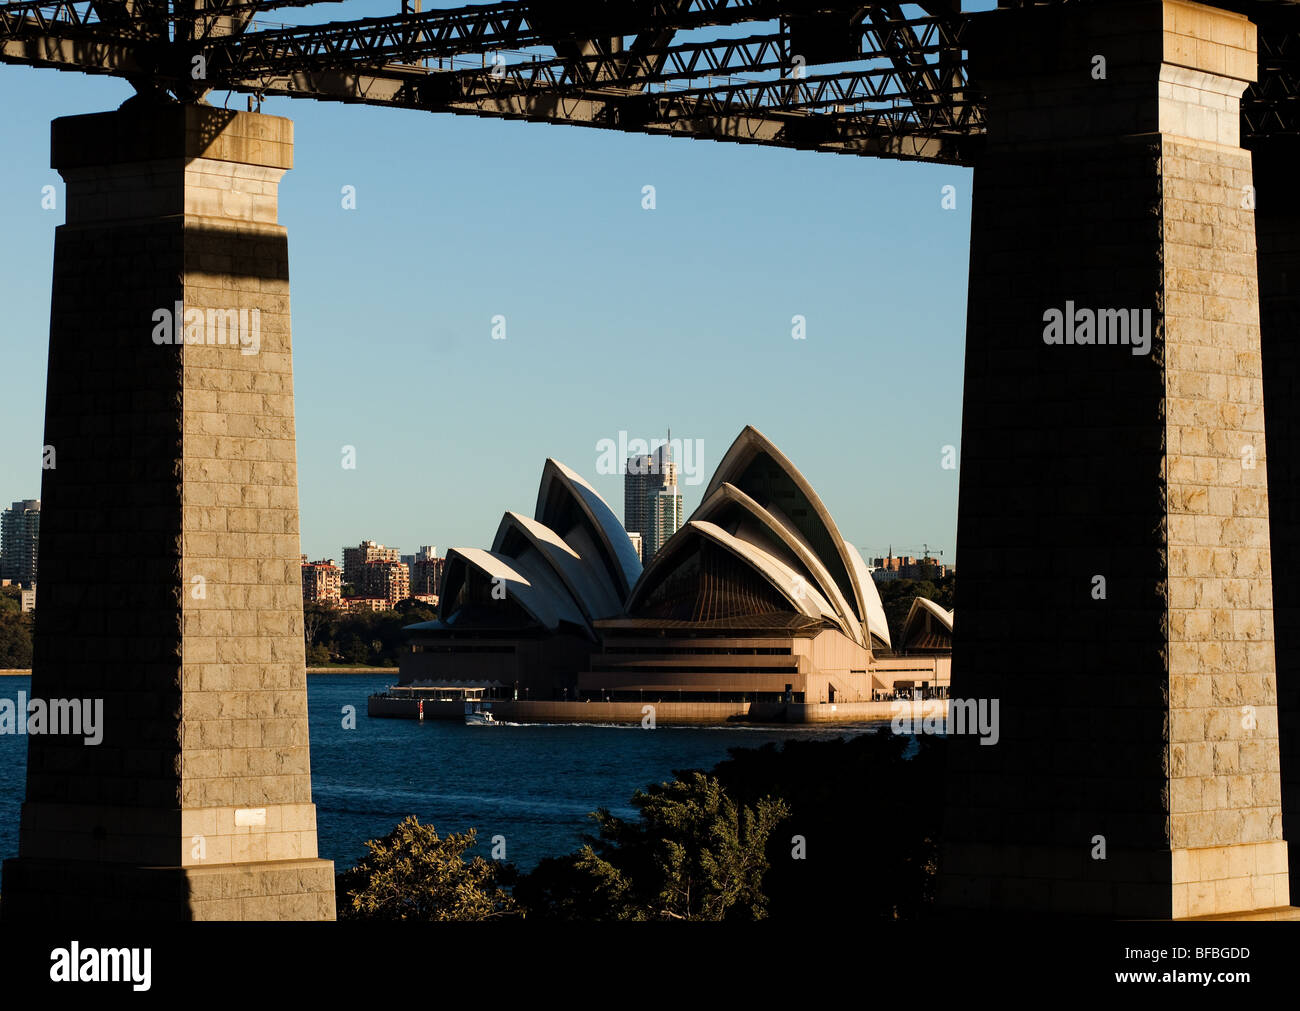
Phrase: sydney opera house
[756,598]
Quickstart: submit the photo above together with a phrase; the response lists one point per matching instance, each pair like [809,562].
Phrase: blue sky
[617,318]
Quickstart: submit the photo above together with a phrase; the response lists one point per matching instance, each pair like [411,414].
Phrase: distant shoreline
[352,670]
[17,673]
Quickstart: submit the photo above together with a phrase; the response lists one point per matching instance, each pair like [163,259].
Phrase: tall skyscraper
[652,505]
[665,517]
[20,530]
[636,498]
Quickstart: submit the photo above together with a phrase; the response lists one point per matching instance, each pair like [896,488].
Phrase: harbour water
[533,785]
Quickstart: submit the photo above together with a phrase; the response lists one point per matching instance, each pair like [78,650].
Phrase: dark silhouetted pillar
[1113,538]
[169,556]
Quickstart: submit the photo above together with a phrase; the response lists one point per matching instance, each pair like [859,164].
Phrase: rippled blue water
[534,785]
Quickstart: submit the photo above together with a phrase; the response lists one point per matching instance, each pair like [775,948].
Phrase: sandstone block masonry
[170,585]
[1277,230]
[1137,773]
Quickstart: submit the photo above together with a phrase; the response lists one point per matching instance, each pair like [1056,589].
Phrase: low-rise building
[426,572]
[354,560]
[891,567]
[322,583]
[385,578]
[365,604]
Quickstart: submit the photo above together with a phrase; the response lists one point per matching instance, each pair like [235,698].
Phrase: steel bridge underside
[888,80]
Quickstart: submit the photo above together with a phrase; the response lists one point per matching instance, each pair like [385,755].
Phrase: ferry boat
[428,699]
[480,718]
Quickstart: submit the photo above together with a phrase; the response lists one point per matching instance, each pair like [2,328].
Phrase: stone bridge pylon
[1116,587]
[169,553]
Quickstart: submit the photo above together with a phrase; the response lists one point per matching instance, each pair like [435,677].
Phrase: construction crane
[925,551]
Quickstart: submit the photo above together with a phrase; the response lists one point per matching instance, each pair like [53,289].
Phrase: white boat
[479,718]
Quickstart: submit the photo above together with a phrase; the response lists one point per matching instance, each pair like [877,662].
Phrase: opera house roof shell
[927,626]
[761,550]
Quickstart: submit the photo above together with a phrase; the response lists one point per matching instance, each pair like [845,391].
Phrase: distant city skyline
[614,495]
[361,531]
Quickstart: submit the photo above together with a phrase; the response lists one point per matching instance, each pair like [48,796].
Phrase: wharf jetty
[450,702]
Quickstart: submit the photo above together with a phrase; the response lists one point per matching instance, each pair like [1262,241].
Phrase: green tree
[374,638]
[896,597]
[413,610]
[15,639]
[693,854]
[832,852]
[354,650]
[317,620]
[877,857]
[945,591]
[11,598]
[412,874]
